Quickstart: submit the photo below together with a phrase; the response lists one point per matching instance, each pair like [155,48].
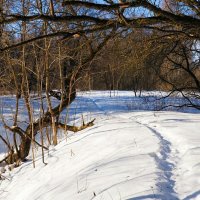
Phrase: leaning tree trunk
[27,135]
[66,97]
[46,121]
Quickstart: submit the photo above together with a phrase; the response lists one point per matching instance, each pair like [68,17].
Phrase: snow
[128,154]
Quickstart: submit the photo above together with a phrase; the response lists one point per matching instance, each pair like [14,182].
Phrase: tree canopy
[68,18]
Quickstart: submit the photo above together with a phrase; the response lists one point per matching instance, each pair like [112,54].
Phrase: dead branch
[74,128]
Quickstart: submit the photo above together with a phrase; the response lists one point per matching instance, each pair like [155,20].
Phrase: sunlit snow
[132,152]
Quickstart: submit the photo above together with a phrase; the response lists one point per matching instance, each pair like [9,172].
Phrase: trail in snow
[176,133]
[165,180]
[164,164]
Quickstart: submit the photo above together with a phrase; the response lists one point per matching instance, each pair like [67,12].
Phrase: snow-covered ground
[128,154]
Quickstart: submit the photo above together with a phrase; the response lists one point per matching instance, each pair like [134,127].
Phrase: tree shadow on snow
[193,195]
[153,196]
[149,196]
[163,197]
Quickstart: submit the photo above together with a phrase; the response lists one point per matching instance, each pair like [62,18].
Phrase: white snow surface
[127,154]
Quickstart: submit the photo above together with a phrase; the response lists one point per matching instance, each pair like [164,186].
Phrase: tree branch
[74,128]
[65,34]
[174,18]
[79,18]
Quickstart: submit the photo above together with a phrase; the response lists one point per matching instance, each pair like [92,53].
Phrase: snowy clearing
[127,154]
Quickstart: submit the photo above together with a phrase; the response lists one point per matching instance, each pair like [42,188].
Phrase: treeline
[145,60]
[130,60]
